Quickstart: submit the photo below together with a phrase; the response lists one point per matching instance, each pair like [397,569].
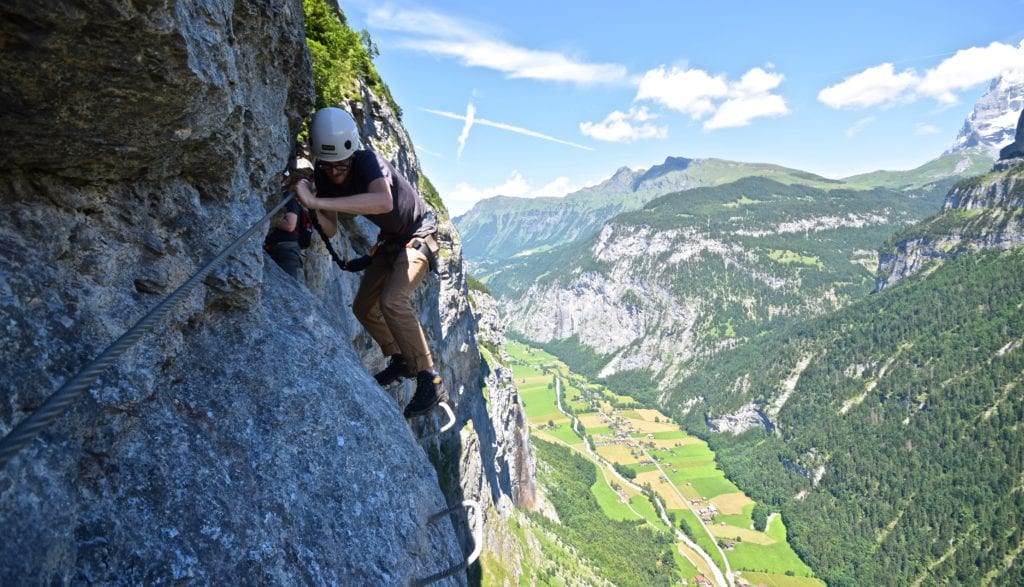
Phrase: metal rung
[451,422]
[478,538]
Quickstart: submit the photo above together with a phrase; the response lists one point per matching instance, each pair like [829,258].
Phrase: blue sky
[542,98]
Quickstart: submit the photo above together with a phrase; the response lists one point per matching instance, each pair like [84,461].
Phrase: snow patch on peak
[993,122]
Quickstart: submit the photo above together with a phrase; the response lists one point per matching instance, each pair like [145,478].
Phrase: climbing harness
[421,246]
[60,400]
[478,539]
[327,240]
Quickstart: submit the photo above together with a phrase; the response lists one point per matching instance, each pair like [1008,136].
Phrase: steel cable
[60,400]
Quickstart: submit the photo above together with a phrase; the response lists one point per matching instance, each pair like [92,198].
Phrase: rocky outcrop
[242,440]
[982,213]
[511,430]
[502,442]
[747,417]
[992,122]
[1015,149]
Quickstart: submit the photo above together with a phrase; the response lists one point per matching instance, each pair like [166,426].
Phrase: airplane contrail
[471,120]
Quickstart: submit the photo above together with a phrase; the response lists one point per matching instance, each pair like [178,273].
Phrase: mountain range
[851,349]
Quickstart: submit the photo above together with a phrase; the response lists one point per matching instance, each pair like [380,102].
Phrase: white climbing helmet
[333,135]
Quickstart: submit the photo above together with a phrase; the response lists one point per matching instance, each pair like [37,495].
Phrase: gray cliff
[986,212]
[512,482]
[242,441]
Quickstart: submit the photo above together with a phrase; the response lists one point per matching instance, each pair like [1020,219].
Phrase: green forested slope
[922,470]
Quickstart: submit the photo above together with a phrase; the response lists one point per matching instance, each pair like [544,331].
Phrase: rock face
[242,440]
[498,466]
[510,436]
[747,417]
[992,124]
[1016,148]
[988,210]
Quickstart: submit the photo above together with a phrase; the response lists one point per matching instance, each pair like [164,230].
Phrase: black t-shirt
[279,236]
[409,215]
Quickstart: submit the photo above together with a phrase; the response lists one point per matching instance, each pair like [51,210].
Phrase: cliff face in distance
[243,439]
[980,213]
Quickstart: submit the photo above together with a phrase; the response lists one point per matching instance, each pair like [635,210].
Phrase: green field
[609,501]
[744,520]
[564,432]
[686,569]
[643,505]
[538,399]
[769,558]
[712,486]
[773,580]
[692,527]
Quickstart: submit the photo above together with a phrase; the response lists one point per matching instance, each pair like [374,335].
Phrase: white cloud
[464,196]
[627,127]
[421,150]
[503,126]
[741,111]
[879,85]
[756,81]
[970,67]
[750,98]
[882,86]
[691,91]
[473,46]
[556,188]
[925,129]
[859,126]
[701,95]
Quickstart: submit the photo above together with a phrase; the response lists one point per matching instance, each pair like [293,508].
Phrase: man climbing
[282,243]
[288,234]
[352,180]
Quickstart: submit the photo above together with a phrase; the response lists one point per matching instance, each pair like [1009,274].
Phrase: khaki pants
[384,304]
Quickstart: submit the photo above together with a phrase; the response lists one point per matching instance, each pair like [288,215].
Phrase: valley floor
[635,449]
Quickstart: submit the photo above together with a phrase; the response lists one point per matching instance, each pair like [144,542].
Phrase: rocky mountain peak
[993,121]
[622,177]
[671,164]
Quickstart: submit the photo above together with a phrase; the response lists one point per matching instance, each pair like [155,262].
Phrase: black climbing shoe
[395,370]
[427,395]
